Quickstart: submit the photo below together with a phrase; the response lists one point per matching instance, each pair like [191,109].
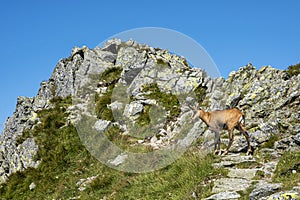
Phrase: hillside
[116,123]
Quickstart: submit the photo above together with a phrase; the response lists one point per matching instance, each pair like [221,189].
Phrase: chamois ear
[199,108]
[195,108]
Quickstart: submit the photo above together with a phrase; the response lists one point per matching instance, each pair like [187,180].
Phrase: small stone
[32,186]
[194,195]
[83,183]
[101,125]
[119,159]
[140,141]
[153,139]
[132,109]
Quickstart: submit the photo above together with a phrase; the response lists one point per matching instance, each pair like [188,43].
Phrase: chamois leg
[231,136]
[217,142]
[245,133]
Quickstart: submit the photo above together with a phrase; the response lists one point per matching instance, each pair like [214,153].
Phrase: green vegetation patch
[125,142]
[102,110]
[111,74]
[108,78]
[288,168]
[144,117]
[169,101]
[200,93]
[293,70]
[270,143]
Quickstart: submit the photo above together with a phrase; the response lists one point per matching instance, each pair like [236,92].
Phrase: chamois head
[198,112]
[201,113]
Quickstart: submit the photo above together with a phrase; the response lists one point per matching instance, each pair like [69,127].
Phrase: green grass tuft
[111,74]
[293,70]
[270,143]
[287,170]
[110,78]
[102,110]
[144,117]
[169,101]
[200,93]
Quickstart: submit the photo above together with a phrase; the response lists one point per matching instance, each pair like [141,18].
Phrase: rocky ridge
[269,98]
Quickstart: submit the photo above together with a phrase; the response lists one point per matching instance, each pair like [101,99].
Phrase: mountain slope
[139,98]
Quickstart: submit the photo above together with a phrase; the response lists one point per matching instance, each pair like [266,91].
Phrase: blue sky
[36,34]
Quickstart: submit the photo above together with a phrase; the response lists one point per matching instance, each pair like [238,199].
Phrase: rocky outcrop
[270,99]
[68,75]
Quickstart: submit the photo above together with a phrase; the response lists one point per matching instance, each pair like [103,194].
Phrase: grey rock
[132,62]
[272,154]
[291,143]
[296,189]
[225,195]
[18,157]
[297,138]
[192,135]
[101,125]
[234,159]
[107,56]
[116,105]
[269,168]
[240,144]
[264,189]
[230,184]
[283,195]
[248,174]
[133,109]
[260,136]
[112,45]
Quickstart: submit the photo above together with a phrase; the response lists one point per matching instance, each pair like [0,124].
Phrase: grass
[109,78]
[64,161]
[288,164]
[102,110]
[191,173]
[144,117]
[200,93]
[125,142]
[293,70]
[111,74]
[169,101]
[270,143]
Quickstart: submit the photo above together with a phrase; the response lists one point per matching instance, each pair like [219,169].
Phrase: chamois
[224,120]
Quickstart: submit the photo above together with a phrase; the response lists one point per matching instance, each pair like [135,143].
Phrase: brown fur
[225,120]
